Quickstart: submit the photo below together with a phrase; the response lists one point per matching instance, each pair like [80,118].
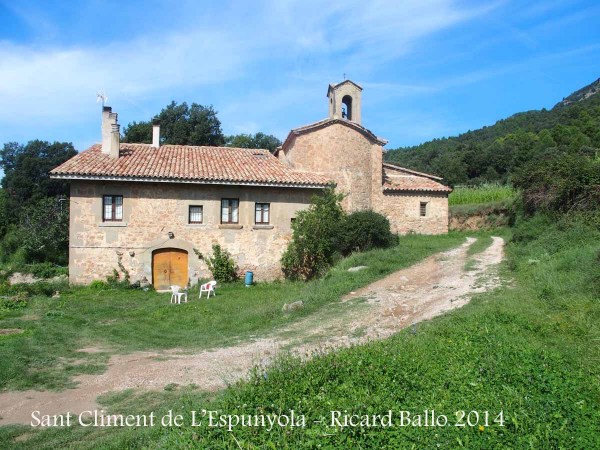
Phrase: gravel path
[425,290]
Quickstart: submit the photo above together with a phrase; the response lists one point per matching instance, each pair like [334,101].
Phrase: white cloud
[310,40]
[51,82]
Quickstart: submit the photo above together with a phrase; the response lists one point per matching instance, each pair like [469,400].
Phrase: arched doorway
[169,267]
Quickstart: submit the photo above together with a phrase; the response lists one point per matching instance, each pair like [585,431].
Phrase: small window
[262,213]
[195,214]
[112,210]
[230,210]
[423,209]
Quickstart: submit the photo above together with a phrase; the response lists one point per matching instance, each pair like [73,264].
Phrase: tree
[258,140]
[315,237]
[503,149]
[4,218]
[561,182]
[138,132]
[44,231]
[180,125]
[26,167]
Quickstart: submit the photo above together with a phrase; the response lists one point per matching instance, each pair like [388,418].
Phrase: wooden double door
[169,267]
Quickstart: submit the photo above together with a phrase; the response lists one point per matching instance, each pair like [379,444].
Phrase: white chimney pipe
[156,134]
[106,112]
[109,119]
[115,140]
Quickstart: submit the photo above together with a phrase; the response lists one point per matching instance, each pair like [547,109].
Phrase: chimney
[115,140]
[109,124]
[155,133]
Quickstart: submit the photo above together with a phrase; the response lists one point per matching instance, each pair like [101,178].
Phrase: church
[153,210]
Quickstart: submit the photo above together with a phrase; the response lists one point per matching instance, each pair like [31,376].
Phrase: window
[112,210]
[229,210]
[423,209]
[261,213]
[195,214]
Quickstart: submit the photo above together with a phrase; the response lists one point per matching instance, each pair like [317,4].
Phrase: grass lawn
[44,355]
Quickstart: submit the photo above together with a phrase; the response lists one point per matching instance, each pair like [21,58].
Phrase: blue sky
[428,68]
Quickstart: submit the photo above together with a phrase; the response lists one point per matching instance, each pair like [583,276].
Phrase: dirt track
[427,289]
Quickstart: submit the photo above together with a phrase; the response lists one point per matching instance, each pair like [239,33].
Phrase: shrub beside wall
[365,230]
[323,231]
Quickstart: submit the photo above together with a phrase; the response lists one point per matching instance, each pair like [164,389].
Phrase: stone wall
[403,211]
[343,155]
[152,210]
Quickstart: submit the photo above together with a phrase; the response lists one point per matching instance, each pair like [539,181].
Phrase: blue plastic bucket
[249,278]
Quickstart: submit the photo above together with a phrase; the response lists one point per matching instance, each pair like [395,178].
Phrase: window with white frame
[262,212]
[112,208]
[195,214]
[230,210]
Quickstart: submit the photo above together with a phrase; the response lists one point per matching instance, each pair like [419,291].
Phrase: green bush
[364,230]
[222,265]
[99,285]
[560,183]
[42,288]
[42,270]
[10,247]
[14,302]
[315,238]
[118,281]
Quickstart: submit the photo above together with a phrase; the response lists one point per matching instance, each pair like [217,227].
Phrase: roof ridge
[224,147]
[414,172]
[330,121]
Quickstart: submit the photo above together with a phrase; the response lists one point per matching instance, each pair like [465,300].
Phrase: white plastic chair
[177,294]
[208,288]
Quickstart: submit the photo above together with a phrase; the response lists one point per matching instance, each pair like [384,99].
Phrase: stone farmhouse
[152,209]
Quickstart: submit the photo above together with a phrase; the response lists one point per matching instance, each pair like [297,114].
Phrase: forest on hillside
[504,152]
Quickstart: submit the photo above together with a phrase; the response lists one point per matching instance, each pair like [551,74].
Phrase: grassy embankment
[487,206]
[466,200]
[529,349]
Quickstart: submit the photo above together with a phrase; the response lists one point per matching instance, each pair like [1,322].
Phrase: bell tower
[344,101]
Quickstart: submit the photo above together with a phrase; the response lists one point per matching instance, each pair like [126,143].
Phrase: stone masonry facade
[153,210]
[355,163]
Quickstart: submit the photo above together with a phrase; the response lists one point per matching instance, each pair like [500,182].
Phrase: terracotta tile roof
[396,178]
[186,164]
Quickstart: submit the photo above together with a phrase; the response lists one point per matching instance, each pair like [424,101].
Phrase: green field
[485,193]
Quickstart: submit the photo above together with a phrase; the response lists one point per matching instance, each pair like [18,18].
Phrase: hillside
[495,153]
[581,94]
